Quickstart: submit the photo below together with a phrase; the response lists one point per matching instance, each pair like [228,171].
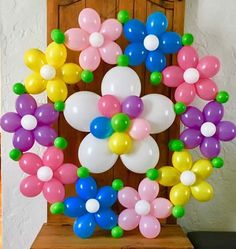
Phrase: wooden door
[63,14]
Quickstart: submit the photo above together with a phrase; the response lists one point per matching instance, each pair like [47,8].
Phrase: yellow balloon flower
[50,72]
[187,178]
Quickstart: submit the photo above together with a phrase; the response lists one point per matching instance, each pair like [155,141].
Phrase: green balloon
[179,108]
[123,60]
[59,106]
[58,36]
[117,232]
[15,154]
[152,174]
[217,162]
[187,39]
[222,97]
[123,16]
[117,184]
[18,88]
[120,122]
[87,76]
[176,145]
[57,208]
[82,172]
[155,78]
[60,142]
[178,211]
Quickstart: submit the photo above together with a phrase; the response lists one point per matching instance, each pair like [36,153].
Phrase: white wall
[23,25]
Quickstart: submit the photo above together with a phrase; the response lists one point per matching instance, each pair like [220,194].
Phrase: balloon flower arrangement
[119,123]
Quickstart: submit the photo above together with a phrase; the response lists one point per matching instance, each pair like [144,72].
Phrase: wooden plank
[54,236]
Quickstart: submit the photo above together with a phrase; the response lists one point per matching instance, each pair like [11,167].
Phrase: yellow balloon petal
[169,176]
[70,73]
[34,59]
[202,191]
[120,143]
[202,168]
[180,194]
[182,160]
[56,90]
[35,84]
[56,54]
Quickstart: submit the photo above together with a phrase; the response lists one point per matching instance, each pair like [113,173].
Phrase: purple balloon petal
[46,114]
[23,139]
[213,112]
[10,122]
[45,135]
[210,147]
[25,104]
[191,138]
[132,106]
[226,131]
[192,118]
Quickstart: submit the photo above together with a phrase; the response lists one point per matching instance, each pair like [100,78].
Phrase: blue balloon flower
[151,42]
[91,207]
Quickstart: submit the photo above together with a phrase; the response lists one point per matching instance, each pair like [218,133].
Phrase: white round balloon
[121,82]
[95,155]
[158,111]
[80,110]
[144,155]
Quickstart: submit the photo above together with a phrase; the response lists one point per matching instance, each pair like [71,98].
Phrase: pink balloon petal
[30,163]
[67,173]
[206,89]
[161,208]
[109,52]
[53,157]
[31,186]
[149,227]
[77,39]
[187,57]
[128,197]
[208,66]
[89,58]
[148,190]
[53,191]
[111,29]
[173,76]
[185,93]
[128,219]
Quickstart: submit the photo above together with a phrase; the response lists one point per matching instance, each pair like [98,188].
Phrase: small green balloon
[117,184]
[58,36]
[176,145]
[82,172]
[155,78]
[57,208]
[87,76]
[117,232]
[120,122]
[123,16]
[179,108]
[15,154]
[123,60]
[60,142]
[59,106]
[178,211]
[222,97]
[217,162]
[187,39]
[18,88]
[152,174]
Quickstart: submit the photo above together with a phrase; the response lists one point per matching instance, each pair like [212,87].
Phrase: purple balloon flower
[30,123]
[206,129]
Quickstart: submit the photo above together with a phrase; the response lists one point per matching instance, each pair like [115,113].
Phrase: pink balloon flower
[95,40]
[47,175]
[192,76]
[143,208]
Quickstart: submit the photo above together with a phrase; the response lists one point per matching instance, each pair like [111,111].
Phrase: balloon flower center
[96,39]
[191,75]
[208,129]
[151,42]
[29,122]
[188,178]
[45,174]
[142,207]
[48,72]
[92,205]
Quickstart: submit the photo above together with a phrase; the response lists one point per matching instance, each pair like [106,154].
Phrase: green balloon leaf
[178,211]
[59,106]
[155,78]
[15,154]
[217,162]
[87,76]
[117,232]
[60,143]
[58,36]
[123,60]
[152,174]
[123,16]
[187,39]
[57,208]
[179,108]
[18,88]
[176,145]
[82,172]
[117,184]
[222,97]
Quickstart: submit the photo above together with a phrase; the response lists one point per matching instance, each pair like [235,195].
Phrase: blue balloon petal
[74,207]
[157,23]
[106,219]
[101,127]
[86,188]
[156,61]
[170,42]
[106,196]
[134,30]
[84,226]
[136,53]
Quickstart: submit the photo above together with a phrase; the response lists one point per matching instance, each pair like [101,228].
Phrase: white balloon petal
[80,110]
[158,111]
[121,82]
[144,155]
[95,155]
